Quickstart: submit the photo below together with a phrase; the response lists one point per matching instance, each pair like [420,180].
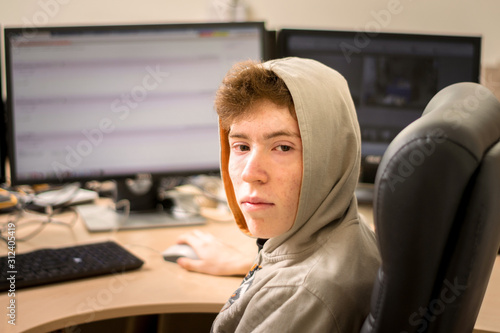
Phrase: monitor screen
[391,76]
[108,102]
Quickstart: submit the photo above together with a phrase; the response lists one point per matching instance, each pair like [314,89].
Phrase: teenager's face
[265,166]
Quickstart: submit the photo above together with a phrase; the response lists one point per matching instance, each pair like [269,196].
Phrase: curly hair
[246,84]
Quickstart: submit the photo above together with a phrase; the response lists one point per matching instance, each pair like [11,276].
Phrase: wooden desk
[159,287]
[488,320]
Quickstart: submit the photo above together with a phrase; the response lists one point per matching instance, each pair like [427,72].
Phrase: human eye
[283,148]
[239,147]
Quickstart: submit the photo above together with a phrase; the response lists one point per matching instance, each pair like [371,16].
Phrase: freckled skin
[265,166]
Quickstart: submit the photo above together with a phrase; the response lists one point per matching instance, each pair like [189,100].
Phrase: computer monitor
[112,102]
[391,76]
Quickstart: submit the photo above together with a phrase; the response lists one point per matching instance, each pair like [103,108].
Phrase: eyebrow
[268,136]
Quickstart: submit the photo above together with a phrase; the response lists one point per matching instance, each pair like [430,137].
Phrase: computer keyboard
[47,266]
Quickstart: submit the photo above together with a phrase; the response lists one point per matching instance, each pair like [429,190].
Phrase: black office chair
[437,215]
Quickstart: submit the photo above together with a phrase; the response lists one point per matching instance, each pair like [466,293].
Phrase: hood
[331,152]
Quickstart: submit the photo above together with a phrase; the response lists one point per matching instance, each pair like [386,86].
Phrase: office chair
[437,215]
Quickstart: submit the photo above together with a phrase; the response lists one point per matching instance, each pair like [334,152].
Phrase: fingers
[196,238]
[203,243]
[215,257]
[188,264]
[192,265]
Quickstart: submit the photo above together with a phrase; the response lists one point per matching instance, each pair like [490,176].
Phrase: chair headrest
[465,113]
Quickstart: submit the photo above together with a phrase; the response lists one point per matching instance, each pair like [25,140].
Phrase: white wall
[470,17]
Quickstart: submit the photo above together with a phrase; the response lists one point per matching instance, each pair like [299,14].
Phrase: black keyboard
[46,266]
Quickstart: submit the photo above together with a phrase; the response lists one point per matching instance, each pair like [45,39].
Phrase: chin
[262,233]
[265,227]
[256,231]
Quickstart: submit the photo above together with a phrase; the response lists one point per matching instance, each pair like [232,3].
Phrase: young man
[290,156]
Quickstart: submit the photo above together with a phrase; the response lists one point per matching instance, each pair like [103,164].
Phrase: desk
[158,287]
[488,320]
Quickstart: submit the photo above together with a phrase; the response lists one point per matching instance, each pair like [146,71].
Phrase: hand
[216,257]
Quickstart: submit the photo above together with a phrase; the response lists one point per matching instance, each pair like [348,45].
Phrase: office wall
[476,17]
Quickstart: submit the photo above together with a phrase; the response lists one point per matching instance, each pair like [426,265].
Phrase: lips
[255,203]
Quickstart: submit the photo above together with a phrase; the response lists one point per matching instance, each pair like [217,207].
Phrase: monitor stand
[145,210]
[100,218]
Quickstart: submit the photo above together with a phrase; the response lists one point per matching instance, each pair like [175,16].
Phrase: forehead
[266,116]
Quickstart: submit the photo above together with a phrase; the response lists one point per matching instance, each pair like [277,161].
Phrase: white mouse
[176,251]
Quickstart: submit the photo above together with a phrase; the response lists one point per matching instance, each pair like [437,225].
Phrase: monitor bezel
[266,53]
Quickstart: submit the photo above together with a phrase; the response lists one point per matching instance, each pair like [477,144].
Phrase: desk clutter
[179,201]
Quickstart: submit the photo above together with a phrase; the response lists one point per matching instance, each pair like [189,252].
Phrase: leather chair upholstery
[437,215]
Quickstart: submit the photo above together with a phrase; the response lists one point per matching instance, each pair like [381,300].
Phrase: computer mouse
[176,251]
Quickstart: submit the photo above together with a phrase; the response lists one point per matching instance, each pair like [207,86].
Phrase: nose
[255,168]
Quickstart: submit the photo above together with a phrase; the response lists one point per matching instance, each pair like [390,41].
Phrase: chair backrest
[437,215]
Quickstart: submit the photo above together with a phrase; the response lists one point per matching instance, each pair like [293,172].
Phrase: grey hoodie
[317,276]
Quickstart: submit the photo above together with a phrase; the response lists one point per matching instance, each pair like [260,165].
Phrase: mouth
[254,204]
